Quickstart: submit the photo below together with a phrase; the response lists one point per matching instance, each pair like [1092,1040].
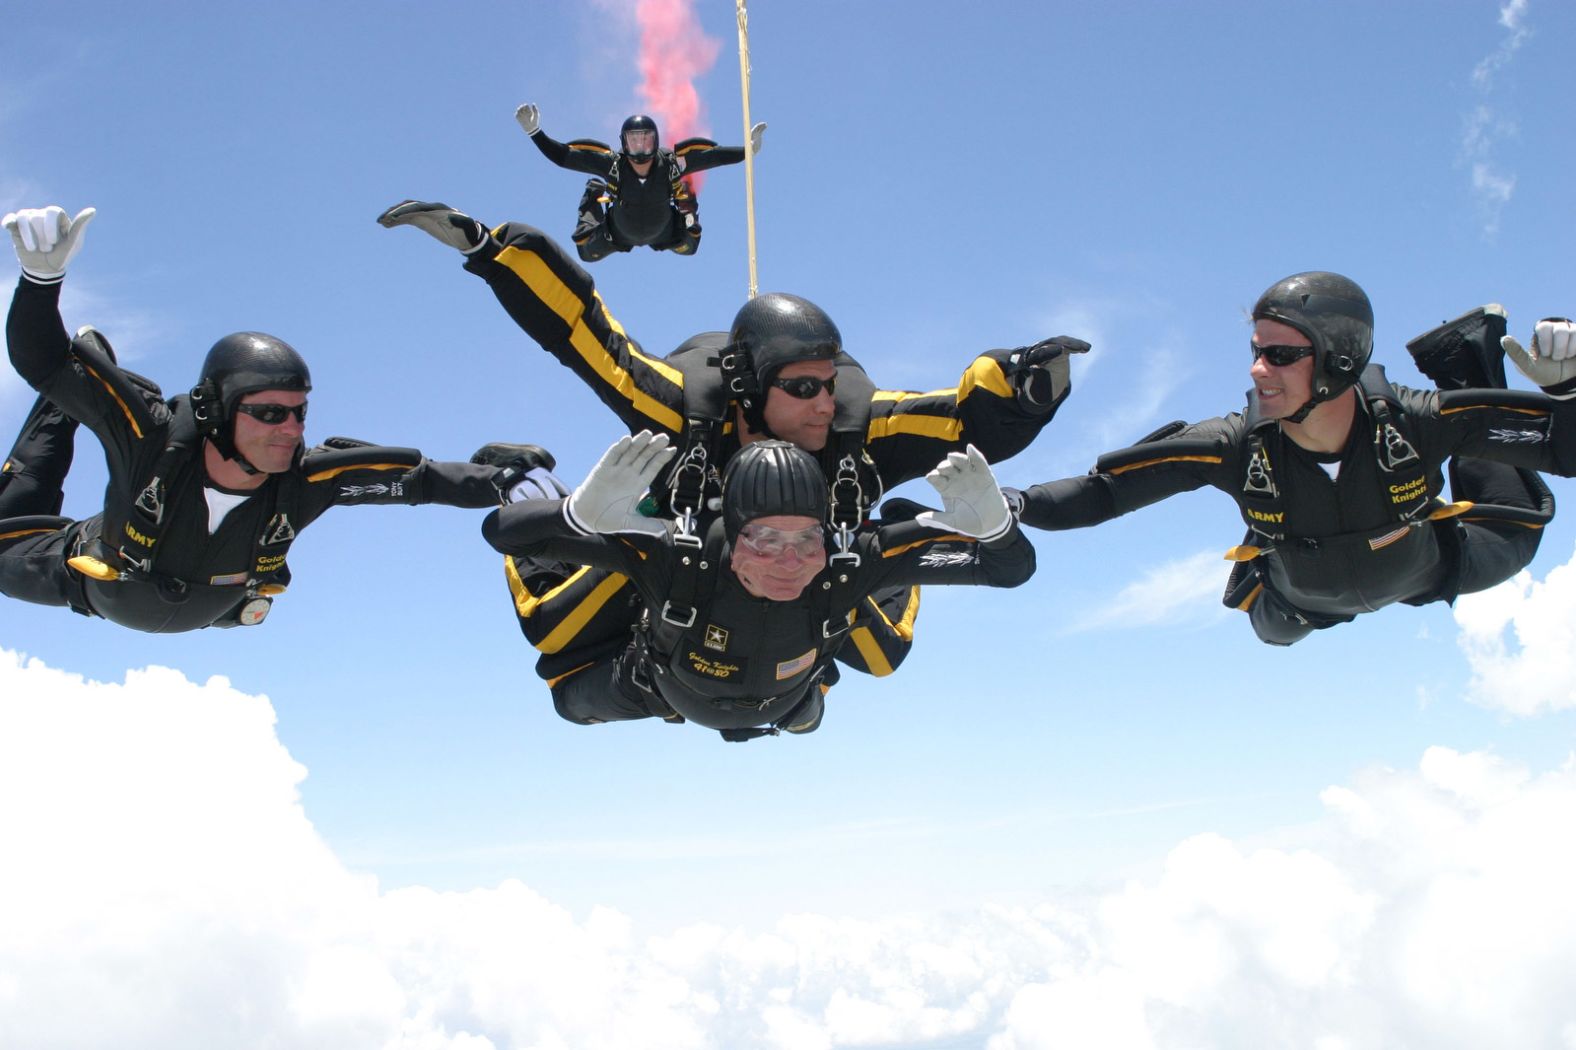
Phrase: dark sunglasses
[805,387]
[1281,356]
[273,415]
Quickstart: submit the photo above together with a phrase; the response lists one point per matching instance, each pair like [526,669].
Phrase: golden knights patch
[716,670]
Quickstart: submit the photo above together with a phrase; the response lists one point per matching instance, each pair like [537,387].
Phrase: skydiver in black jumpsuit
[1338,474]
[649,202]
[205,492]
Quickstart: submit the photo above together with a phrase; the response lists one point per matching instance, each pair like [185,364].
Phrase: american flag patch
[798,665]
[1388,538]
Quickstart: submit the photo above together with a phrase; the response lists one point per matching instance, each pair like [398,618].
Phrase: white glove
[1552,362]
[755,137]
[974,505]
[529,117]
[607,499]
[45,240]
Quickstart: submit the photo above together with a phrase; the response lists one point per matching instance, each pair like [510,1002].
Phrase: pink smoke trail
[673,52]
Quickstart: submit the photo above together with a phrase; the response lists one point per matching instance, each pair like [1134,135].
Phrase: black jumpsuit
[1345,552]
[645,209]
[198,579]
[745,661]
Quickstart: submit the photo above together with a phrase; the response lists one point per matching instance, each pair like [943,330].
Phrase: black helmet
[639,122]
[239,364]
[1335,315]
[772,330]
[777,329]
[771,477]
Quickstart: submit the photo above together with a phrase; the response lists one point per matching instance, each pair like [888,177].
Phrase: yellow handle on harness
[1244,552]
[271,589]
[88,565]
[1451,510]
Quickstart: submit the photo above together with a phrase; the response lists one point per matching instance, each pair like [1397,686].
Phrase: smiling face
[777,556]
[271,448]
[805,422]
[1281,390]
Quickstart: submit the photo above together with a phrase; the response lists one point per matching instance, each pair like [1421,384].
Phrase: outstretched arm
[80,377]
[593,158]
[45,241]
[975,539]
[1001,403]
[1134,477]
[1516,427]
[345,472]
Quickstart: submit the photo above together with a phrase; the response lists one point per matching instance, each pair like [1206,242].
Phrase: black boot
[1464,353]
[501,454]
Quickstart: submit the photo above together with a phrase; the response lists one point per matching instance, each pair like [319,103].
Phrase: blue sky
[1094,804]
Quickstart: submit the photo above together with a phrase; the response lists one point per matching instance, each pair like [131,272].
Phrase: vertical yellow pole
[749,150]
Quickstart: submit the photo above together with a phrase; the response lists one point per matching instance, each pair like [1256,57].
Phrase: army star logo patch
[716,638]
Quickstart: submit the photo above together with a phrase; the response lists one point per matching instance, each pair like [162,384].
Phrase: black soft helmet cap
[239,364]
[776,329]
[771,477]
[639,122]
[1335,315]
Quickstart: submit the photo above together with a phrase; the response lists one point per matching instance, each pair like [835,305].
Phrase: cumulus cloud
[163,887]
[1185,590]
[1484,127]
[1520,641]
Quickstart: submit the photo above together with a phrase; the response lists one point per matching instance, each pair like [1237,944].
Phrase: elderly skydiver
[206,491]
[740,629]
[1337,473]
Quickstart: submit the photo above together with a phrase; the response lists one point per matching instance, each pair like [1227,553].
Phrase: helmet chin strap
[228,452]
[1302,413]
[758,425]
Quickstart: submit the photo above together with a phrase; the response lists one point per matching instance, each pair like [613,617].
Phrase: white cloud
[1483,127]
[1185,590]
[1510,18]
[162,887]
[1520,640]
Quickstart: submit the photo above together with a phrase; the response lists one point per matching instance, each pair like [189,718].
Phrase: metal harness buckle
[671,615]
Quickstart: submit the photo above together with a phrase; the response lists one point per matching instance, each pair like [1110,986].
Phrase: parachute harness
[687,490]
[846,511]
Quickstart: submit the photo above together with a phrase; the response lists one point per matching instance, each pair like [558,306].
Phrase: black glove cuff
[1036,389]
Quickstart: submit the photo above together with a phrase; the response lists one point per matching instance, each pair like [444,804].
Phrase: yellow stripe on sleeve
[324,475]
[1163,459]
[135,429]
[944,428]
